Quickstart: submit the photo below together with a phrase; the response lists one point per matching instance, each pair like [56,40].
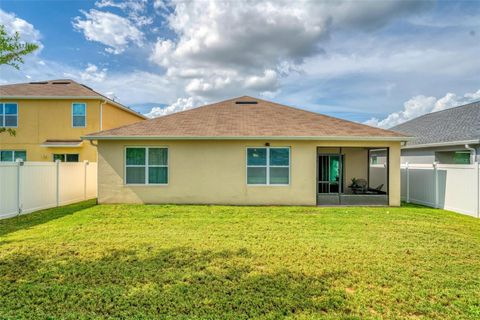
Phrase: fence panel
[378,176]
[29,186]
[457,188]
[38,186]
[91,187]
[8,189]
[70,190]
[422,185]
[450,187]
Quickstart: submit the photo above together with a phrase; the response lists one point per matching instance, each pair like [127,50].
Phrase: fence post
[477,172]
[57,174]
[85,164]
[19,163]
[407,178]
[435,181]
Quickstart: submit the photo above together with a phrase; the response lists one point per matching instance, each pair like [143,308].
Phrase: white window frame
[146,166]
[84,126]
[2,123]
[13,154]
[267,167]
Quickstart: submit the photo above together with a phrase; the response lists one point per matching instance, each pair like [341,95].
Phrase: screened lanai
[352,176]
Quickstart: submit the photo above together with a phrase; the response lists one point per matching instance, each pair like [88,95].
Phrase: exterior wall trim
[441,144]
[318,138]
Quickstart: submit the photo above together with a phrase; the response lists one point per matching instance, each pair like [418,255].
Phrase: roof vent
[246,102]
[61,82]
[39,82]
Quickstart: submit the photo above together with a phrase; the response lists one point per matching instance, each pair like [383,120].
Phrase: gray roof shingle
[455,124]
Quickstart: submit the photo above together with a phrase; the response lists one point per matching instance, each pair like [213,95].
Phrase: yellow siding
[115,117]
[214,172]
[40,120]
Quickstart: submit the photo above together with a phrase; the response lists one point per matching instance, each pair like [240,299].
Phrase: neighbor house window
[66,157]
[146,165]
[12,155]
[8,115]
[461,157]
[79,115]
[268,166]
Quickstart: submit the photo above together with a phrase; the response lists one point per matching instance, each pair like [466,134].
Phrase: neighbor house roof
[56,89]
[456,125]
[249,118]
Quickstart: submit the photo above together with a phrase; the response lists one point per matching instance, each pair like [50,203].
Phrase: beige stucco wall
[214,172]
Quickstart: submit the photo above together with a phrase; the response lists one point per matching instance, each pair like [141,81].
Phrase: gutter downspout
[101,114]
[473,153]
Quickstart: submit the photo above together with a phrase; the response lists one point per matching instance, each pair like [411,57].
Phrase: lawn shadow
[43,216]
[172,283]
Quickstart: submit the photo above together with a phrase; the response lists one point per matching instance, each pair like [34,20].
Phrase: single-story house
[247,151]
[450,136]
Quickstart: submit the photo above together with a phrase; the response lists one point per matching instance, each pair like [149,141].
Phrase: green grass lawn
[215,262]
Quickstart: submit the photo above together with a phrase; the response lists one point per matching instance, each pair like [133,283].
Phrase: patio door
[330,178]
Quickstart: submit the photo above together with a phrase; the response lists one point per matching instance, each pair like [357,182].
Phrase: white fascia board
[442,144]
[324,138]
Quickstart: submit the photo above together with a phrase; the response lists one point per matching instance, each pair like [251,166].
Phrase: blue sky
[378,62]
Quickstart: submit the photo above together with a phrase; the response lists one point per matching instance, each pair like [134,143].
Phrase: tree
[12,50]
[9,130]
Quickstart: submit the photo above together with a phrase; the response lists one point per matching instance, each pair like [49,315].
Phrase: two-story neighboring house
[49,117]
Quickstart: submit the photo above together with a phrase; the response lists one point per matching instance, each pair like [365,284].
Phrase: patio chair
[362,186]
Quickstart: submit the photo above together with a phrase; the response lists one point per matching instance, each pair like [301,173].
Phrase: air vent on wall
[246,102]
[39,82]
[61,82]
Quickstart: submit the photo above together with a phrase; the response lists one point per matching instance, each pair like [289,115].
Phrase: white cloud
[225,47]
[26,30]
[93,73]
[420,105]
[135,9]
[267,82]
[181,104]
[109,29]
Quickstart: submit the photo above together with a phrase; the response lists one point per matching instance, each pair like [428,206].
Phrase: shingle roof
[53,89]
[260,119]
[456,124]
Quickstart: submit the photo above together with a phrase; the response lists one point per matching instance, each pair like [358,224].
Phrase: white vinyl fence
[452,187]
[29,186]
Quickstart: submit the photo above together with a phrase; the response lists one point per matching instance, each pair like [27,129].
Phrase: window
[79,115]
[12,155]
[268,166]
[453,157]
[146,165]
[461,157]
[67,157]
[8,115]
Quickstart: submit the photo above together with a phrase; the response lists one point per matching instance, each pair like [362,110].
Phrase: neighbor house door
[329,178]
